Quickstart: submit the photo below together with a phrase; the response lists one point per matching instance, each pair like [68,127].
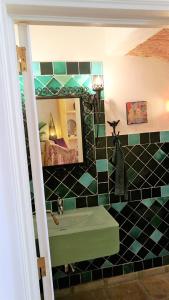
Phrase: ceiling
[155,46]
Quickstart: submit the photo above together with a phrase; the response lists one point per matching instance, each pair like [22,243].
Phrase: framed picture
[136,112]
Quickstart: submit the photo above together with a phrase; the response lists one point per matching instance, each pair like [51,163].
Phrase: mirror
[60,130]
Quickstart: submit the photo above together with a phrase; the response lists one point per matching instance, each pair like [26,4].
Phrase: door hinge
[41,266]
[21,56]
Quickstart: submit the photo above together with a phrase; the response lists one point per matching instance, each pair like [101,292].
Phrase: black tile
[144,138]
[157,262]
[101,142]
[63,282]
[102,176]
[72,68]
[101,106]
[117,270]
[148,264]
[114,198]
[96,274]
[46,68]
[146,193]
[110,141]
[78,188]
[138,266]
[145,157]
[84,67]
[107,272]
[101,153]
[136,195]
[156,192]
[123,139]
[154,137]
[81,202]
[74,279]
[92,201]
[103,188]
[99,118]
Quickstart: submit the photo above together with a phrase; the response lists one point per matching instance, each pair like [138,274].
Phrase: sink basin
[82,234]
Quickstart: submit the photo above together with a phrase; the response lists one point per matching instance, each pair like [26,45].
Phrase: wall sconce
[97,87]
[52,129]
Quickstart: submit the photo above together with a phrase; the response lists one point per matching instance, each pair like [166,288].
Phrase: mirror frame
[86,106]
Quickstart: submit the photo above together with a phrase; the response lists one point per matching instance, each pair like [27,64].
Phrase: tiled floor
[138,286]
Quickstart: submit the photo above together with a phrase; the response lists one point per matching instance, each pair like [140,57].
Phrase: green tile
[148,202]
[164,252]
[36,68]
[72,83]
[135,232]
[159,155]
[69,203]
[134,139]
[86,276]
[48,205]
[93,187]
[88,83]
[156,236]
[156,221]
[131,173]
[165,190]
[150,255]
[119,206]
[38,84]
[100,130]
[54,84]
[162,200]
[164,136]
[128,268]
[111,168]
[97,68]
[86,179]
[103,199]
[63,79]
[135,247]
[44,79]
[106,264]
[59,67]
[102,165]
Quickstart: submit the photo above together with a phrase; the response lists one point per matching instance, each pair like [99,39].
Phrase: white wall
[126,78]
[137,79]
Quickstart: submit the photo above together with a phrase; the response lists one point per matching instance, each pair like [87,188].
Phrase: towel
[121,182]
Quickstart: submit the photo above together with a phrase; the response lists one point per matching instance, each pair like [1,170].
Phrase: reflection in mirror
[60,131]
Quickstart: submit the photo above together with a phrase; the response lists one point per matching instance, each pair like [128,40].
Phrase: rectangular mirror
[60,130]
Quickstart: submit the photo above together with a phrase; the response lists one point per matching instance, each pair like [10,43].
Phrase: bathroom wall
[143,218]
[127,78]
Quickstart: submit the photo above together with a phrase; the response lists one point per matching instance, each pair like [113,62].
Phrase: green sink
[82,234]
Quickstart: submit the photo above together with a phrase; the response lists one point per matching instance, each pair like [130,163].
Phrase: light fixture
[52,129]
[97,87]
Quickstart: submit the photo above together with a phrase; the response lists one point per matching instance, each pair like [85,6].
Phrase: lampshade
[97,83]
[52,130]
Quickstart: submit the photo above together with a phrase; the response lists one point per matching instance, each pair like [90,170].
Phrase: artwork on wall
[136,112]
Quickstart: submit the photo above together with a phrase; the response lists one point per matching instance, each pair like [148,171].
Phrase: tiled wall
[144,218]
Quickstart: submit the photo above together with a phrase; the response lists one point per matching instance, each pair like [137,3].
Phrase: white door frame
[18,254]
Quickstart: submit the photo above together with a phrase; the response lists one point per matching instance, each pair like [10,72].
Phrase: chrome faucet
[60,206]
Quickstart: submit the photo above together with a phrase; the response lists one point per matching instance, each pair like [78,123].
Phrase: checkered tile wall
[144,218]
